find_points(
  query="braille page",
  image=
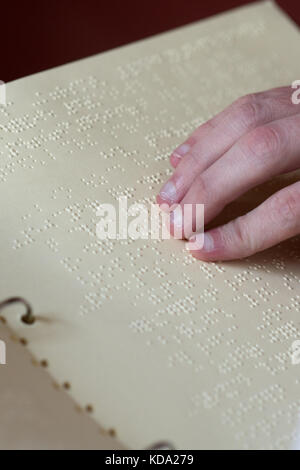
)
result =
(158, 346)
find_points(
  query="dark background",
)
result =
(39, 34)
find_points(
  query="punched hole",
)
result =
(89, 409)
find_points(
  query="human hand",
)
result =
(251, 141)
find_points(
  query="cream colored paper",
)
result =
(35, 413)
(162, 346)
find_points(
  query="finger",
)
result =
(280, 96)
(274, 221)
(211, 140)
(265, 152)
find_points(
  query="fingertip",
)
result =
(163, 204)
(202, 246)
(201, 255)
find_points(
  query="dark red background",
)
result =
(39, 34)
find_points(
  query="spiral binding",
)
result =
(28, 318)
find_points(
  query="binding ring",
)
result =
(28, 318)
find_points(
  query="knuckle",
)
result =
(263, 142)
(286, 203)
(237, 235)
(201, 188)
(242, 236)
(247, 112)
(284, 96)
(246, 99)
(194, 156)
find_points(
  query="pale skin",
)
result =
(254, 139)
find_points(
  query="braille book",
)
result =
(149, 343)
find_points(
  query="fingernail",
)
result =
(182, 150)
(168, 192)
(202, 241)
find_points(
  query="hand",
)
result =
(254, 139)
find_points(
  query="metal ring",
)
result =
(28, 318)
